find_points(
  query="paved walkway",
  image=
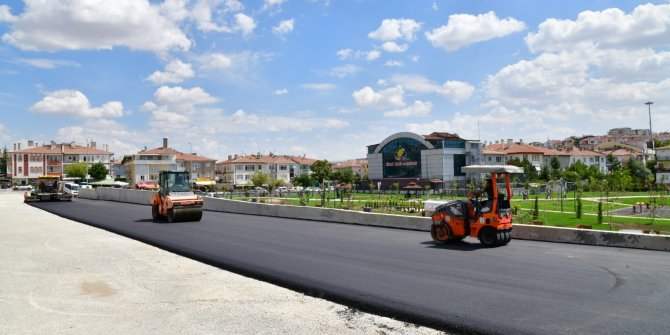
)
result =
(63, 277)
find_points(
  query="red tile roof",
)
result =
(68, 149)
(515, 148)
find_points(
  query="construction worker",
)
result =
(488, 189)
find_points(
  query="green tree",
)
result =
(613, 163)
(620, 180)
(347, 175)
(545, 174)
(260, 178)
(536, 209)
(321, 170)
(579, 205)
(577, 170)
(529, 170)
(304, 180)
(76, 170)
(555, 165)
(3, 162)
(639, 172)
(600, 212)
(98, 171)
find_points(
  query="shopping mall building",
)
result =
(434, 159)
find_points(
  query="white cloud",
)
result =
(390, 97)
(345, 70)
(174, 10)
(419, 108)
(344, 54)
(269, 4)
(6, 14)
(284, 27)
(175, 72)
(45, 63)
(280, 92)
(148, 106)
(73, 103)
(456, 91)
(391, 46)
(427, 128)
(373, 55)
(245, 24)
(120, 139)
(215, 61)
(394, 63)
(647, 26)
(167, 120)
(335, 124)
(240, 117)
(182, 100)
(210, 15)
(319, 86)
(94, 24)
(237, 69)
(393, 29)
(466, 29)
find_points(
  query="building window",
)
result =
(459, 162)
(195, 165)
(20, 158)
(488, 158)
(248, 168)
(239, 177)
(283, 167)
(239, 167)
(208, 165)
(498, 159)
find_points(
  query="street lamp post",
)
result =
(651, 134)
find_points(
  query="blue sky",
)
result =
(326, 78)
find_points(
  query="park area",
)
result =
(647, 212)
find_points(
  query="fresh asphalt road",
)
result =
(524, 287)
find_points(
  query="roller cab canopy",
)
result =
(491, 169)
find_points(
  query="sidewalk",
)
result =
(63, 277)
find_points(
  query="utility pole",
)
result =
(651, 133)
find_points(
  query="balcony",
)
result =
(54, 163)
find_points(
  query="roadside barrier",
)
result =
(520, 231)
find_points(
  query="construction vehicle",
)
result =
(175, 200)
(49, 188)
(488, 220)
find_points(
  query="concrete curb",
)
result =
(520, 231)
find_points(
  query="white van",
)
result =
(71, 188)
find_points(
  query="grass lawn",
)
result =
(550, 211)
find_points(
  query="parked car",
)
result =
(261, 191)
(23, 188)
(280, 189)
(71, 188)
(147, 186)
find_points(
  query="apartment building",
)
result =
(519, 151)
(147, 164)
(663, 165)
(238, 170)
(27, 164)
(359, 167)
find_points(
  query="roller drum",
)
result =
(185, 214)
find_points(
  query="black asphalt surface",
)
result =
(526, 287)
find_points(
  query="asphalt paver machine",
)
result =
(49, 188)
(175, 200)
(488, 220)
